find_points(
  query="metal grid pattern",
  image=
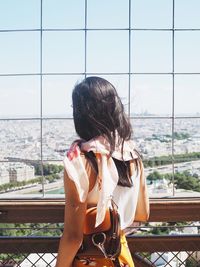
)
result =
(169, 259)
(26, 260)
(41, 74)
(32, 256)
(21, 258)
(181, 259)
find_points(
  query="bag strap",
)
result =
(99, 239)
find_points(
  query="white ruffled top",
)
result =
(125, 197)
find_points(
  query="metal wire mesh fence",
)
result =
(177, 244)
(19, 258)
(165, 259)
(169, 259)
(128, 72)
(29, 260)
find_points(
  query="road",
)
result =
(193, 166)
(35, 189)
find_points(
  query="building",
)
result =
(4, 175)
(19, 172)
(16, 172)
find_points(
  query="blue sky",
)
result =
(107, 51)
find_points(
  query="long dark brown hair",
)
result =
(98, 110)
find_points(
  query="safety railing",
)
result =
(177, 243)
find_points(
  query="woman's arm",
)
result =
(142, 208)
(73, 225)
(74, 217)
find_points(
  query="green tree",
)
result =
(191, 262)
(154, 176)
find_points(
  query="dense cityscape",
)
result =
(21, 145)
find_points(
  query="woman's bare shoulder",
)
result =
(91, 172)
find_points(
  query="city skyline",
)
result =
(22, 143)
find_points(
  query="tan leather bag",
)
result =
(103, 240)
